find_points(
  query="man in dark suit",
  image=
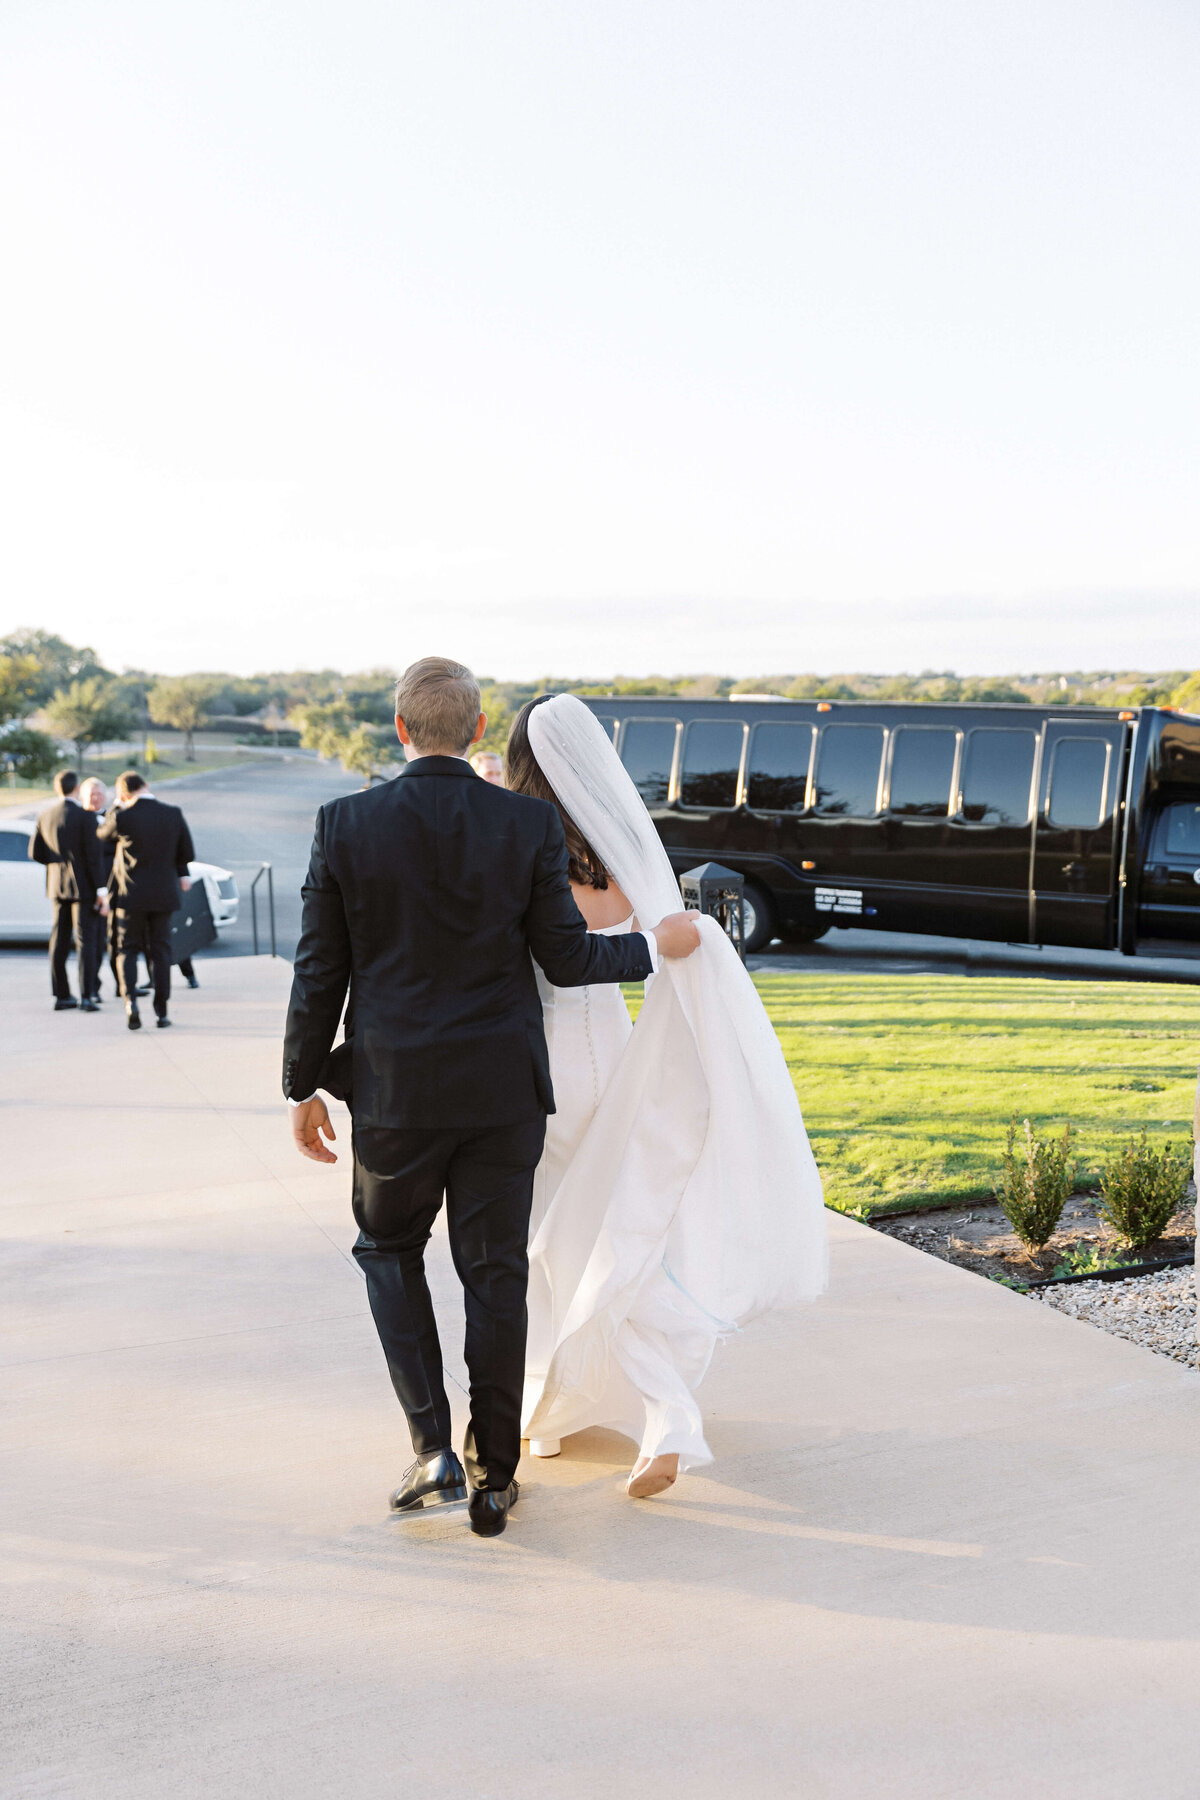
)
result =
(149, 878)
(65, 843)
(424, 900)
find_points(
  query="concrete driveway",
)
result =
(949, 1546)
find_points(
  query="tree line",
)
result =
(52, 691)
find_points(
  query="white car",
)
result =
(25, 910)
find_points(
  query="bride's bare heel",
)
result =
(545, 1446)
(651, 1475)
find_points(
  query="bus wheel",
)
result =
(803, 932)
(759, 918)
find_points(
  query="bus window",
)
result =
(922, 772)
(712, 759)
(997, 776)
(780, 760)
(647, 750)
(1180, 830)
(848, 770)
(1078, 779)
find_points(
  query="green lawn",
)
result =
(907, 1083)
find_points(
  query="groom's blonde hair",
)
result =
(439, 703)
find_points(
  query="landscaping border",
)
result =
(1125, 1272)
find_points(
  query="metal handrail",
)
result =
(264, 869)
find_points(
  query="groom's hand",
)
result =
(308, 1122)
(676, 935)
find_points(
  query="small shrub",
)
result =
(1036, 1182)
(1140, 1190)
(1088, 1259)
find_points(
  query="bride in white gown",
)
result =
(677, 1196)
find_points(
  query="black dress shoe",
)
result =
(163, 1022)
(436, 1480)
(489, 1509)
(133, 1017)
(144, 990)
(67, 1005)
(89, 1005)
(191, 981)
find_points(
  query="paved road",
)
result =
(242, 817)
(908, 953)
(264, 813)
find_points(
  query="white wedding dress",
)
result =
(677, 1196)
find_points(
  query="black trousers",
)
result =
(400, 1177)
(71, 925)
(145, 934)
(99, 927)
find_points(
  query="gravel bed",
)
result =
(1156, 1311)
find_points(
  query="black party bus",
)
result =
(1025, 824)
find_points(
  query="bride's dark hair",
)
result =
(523, 774)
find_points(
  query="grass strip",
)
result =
(907, 1082)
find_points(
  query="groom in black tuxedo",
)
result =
(424, 900)
(65, 842)
(150, 876)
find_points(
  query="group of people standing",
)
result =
(114, 877)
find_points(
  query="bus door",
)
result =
(985, 868)
(1170, 898)
(844, 832)
(1075, 839)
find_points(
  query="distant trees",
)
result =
(500, 714)
(183, 701)
(57, 663)
(1003, 691)
(88, 712)
(77, 697)
(30, 755)
(322, 728)
(330, 731)
(39, 669)
(359, 752)
(20, 681)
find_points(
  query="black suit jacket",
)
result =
(65, 841)
(425, 898)
(153, 849)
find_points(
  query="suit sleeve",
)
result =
(40, 850)
(184, 849)
(569, 954)
(320, 975)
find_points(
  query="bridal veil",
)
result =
(696, 1166)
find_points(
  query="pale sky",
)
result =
(577, 336)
